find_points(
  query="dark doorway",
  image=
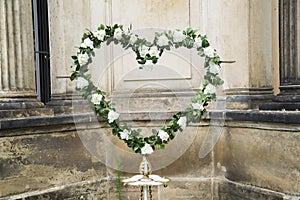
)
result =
(41, 49)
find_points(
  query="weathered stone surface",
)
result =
(289, 117)
(92, 191)
(45, 156)
(187, 189)
(234, 191)
(189, 165)
(128, 192)
(17, 52)
(69, 105)
(261, 154)
(18, 113)
(40, 121)
(241, 100)
(35, 162)
(6, 104)
(149, 102)
(280, 106)
(20, 108)
(249, 79)
(86, 190)
(48, 153)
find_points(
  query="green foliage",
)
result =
(135, 141)
(119, 185)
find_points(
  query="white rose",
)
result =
(178, 36)
(147, 149)
(132, 39)
(163, 41)
(124, 134)
(148, 63)
(96, 98)
(143, 50)
(82, 59)
(210, 89)
(182, 122)
(87, 43)
(198, 42)
(100, 34)
(81, 82)
(154, 51)
(209, 52)
(118, 33)
(197, 106)
(112, 116)
(164, 136)
(214, 68)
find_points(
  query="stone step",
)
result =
(61, 107)
(19, 104)
(292, 106)
(125, 104)
(27, 112)
(151, 104)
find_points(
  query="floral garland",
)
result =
(146, 53)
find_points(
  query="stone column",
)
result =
(245, 35)
(67, 23)
(289, 96)
(17, 79)
(289, 51)
(17, 73)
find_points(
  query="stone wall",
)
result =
(251, 160)
(263, 155)
(42, 154)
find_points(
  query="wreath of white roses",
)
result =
(146, 52)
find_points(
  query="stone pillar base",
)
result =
(288, 99)
(247, 98)
(283, 102)
(68, 103)
(22, 107)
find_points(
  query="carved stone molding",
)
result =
(289, 58)
(289, 44)
(18, 97)
(17, 78)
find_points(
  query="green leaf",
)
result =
(101, 27)
(142, 62)
(154, 132)
(74, 76)
(172, 136)
(136, 149)
(88, 76)
(205, 43)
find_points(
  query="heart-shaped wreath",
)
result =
(146, 52)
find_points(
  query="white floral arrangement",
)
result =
(146, 52)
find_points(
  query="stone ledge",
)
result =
(70, 191)
(38, 121)
(19, 108)
(280, 106)
(229, 190)
(291, 117)
(19, 113)
(105, 187)
(19, 104)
